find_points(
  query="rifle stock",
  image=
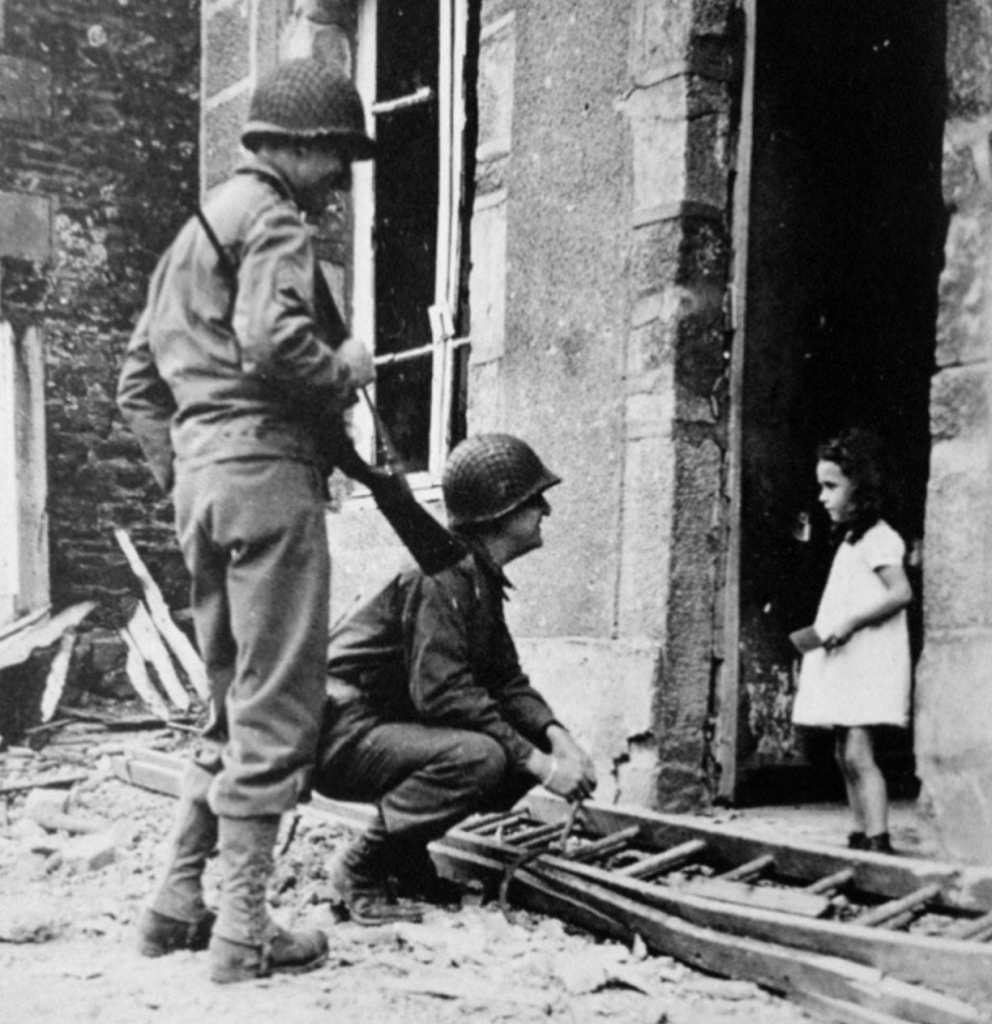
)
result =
(433, 546)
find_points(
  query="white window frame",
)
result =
(453, 17)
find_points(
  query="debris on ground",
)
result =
(72, 900)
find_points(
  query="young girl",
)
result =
(860, 677)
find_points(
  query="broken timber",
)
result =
(147, 640)
(176, 640)
(845, 971)
(38, 630)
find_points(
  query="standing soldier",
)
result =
(430, 715)
(234, 383)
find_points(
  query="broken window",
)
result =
(408, 206)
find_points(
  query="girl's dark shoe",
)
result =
(857, 841)
(879, 843)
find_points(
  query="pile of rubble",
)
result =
(77, 864)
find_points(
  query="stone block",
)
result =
(488, 278)
(645, 551)
(227, 46)
(961, 185)
(24, 919)
(497, 60)
(964, 323)
(603, 690)
(969, 56)
(43, 803)
(25, 89)
(668, 35)
(90, 852)
(486, 389)
(958, 556)
(659, 132)
(650, 353)
(222, 131)
(960, 808)
(26, 226)
(959, 403)
(657, 251)
(662, 33)
(953, 699)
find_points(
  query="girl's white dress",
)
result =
(865, 681)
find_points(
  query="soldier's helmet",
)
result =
(307, 100)
(489, 475)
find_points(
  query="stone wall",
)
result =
(954, 680)
(614, 360)
(98, 130)
(599, 260)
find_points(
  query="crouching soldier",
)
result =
(430, 716)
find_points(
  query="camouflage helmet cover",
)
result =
(307, 100)
(489, 475)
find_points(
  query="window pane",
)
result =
(403, 395)
(406, 204)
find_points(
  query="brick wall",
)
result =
(99, 113)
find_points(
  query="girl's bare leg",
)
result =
(850, 779)
(867, 780)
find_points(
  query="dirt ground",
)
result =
(67, 923)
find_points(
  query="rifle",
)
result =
(431, 544)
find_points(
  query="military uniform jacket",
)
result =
(224, 367)
(435, 649)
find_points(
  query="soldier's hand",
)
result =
(571, 778)
(566, 750)
(358, 359)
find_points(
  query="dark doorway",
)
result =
(845, 246)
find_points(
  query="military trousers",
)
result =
(254, 537)
(423, 777)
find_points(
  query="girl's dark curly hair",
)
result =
(860, 455)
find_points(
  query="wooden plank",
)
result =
(770, 964)
(18, 646)
(946, 965)
(604, 847)
(832, 883)
(498, 822)
(527, 837)
(154, 651)
(58, 672)
(24, 621)
(749, 869)
(176, 639)
(976, 928)
(44, 782)
(32, 472)
(776, 967)
(785, 901)
(842, 1010)
(896, 908)
(148, 775)
(490, 822)
(961, 968)
(140, 680)
(962, 886)
(667, 860)
(728, 712)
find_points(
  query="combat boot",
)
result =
(177, 917)
(246, 943)
(360, 883)
(417, 878)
